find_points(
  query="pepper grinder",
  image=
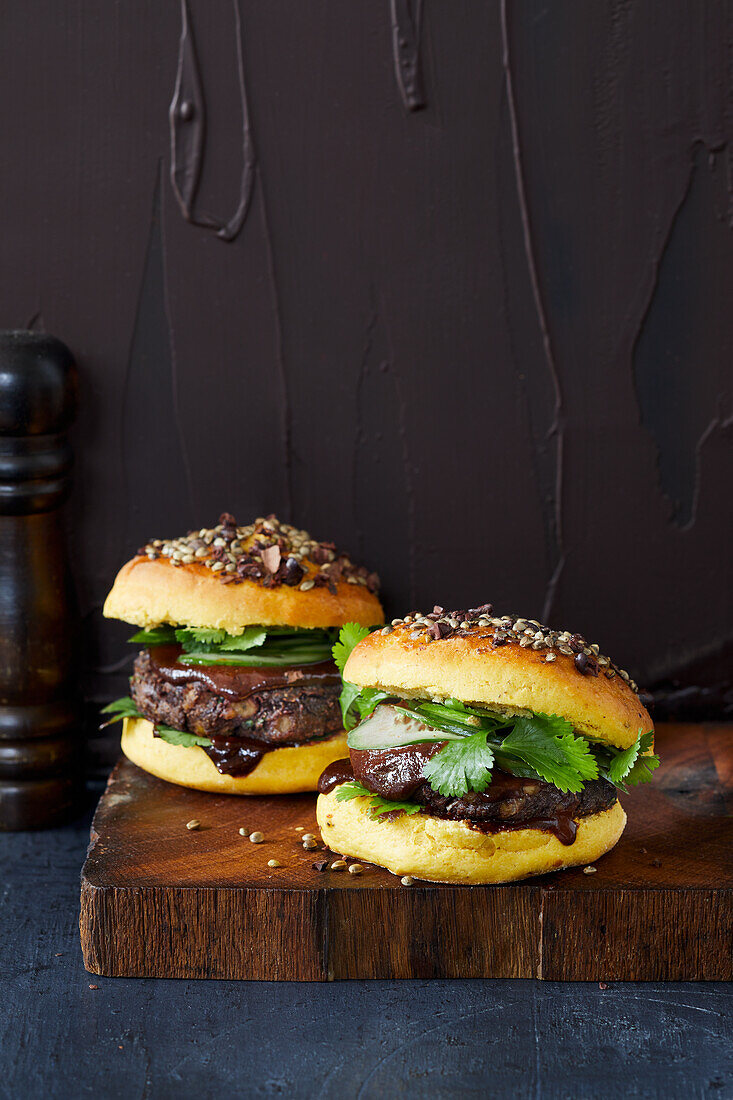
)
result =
(40, 718)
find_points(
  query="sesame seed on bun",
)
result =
(229, 577)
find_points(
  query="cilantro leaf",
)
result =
(623, 762)
(275, 645)
(349, 637)
(180, 737)
(643, 766)
(194, 638)
(460, 766)
(369, 700)
(158, 635)
(547, 744)
(119, 709)
(252, 637)
(359, 703)
(626, 767)
(348, 791)
(125, 708)
(355, 702)
(349, 695)
(257, 647)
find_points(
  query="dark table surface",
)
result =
(65, 1033)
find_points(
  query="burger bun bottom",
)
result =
(438, 850)
(288, 770)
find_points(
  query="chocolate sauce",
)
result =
(240, 681)
(563, 826)
(339, 772)
(236, 755)
(395, 774)
(240, 755)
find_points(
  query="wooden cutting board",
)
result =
(158, 900)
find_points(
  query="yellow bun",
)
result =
(504, 678)
(450, 851)
(149, 592)
(282, 771)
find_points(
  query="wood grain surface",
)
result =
(163, 901)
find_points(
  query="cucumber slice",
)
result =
(390, 727)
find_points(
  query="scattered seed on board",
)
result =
(194, 824)
(407, 880)
(274, 863)
(243, 831)
(299, 828)
(589, 870)
(355, 868)
(338, 865)
(309, 845)
(256, 838)
(308, 836)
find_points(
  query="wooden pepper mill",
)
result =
(40, 726)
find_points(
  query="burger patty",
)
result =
(509, 800)
(274, 716)
(532, 801)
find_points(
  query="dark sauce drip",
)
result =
(240, 681)
(340, 771)
(561, 825)
(236, 755)
(396, 774)
(241, 755)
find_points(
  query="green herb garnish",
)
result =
(536, 746)
(255, 647)
(159, 635)
(379, 806)
(121, 708)
(125, 708)
(180, 737)
(628, 767)
(356, 702)
(547, 745)
(218, 641)
(463, 765)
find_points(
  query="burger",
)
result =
(481, 748)
(234, 689)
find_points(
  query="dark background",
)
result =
(485, 345)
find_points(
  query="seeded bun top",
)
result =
(230, 577)
(506, 664)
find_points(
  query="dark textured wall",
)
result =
(484, 344)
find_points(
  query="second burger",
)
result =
(235, 690)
